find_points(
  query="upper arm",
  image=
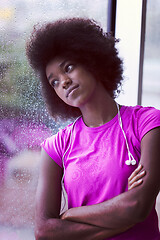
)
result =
(48, 196)
(150, 160)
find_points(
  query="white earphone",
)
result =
(131, 160)
(64, 195)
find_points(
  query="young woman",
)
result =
(104, 148)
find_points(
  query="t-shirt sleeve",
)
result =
(54, 147)
(148, 118)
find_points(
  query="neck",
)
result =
(99, 110)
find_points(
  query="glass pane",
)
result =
(151, 70)
(24, 122)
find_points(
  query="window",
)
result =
(24, 122)
(151, 69)
(151, 66)
(137, 26)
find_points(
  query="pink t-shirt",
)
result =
(95, 168)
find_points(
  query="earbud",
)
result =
(130, 162)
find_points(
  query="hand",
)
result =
(136, 177)
(69, 214)
(63, 216)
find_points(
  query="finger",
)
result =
(137, 177)
(136, 171)
(137, 180)
(62, 216)
(135, 184)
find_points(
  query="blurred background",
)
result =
(24, 121)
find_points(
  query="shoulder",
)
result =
(139, 111)
(54, 146)
(59, 141)
(142, 119)
(59, 138)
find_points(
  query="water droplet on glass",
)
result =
(24, 120)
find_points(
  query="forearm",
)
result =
(119, 212)
(62, 229)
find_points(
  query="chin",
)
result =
(79, 101)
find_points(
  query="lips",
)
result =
(71, 89)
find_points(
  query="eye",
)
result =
(69, 67)
(54, 83)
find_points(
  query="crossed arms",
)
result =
(101, 220)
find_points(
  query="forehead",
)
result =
(55, 64)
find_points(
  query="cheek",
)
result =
(61, 96)
(58, 92)
(91, 84)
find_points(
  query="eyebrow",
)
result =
(60, 65)
(50, 76)
(63, 63)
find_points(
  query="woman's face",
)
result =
(71, 81)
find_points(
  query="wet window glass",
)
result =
(151, 70)
(24, 122)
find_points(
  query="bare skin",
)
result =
(108, 218)
(136, 177)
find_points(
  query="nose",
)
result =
(66, 82)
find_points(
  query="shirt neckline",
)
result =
(104, 126)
